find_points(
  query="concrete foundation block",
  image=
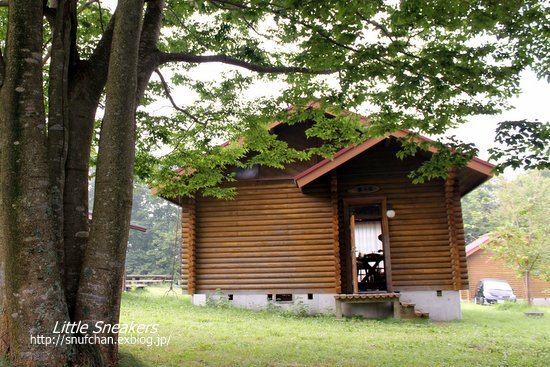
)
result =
(199, 299)
(441, 308)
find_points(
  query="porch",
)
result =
(365, 298)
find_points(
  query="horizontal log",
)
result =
(256, 265)
(236, 240)
(412, 203)
(397, 232)
(425, 237)
(409, 249)
(201, 281)
(417, 282)
(263, 249)
(266, 224)
(227, 255)
(296, 218)
(272, 205)
(225, 233)
(268, 270)
(265, 199)
(417, 257)
(420, 213)
(398, 244)
(297, 242)
(276, 259)
(442, 265)
(420, 222)
(404, 277)
(399, 273)
(255, 212)
(416, 196)
(268, 277)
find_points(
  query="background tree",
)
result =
(412, 64)
(478, 210)
(520, 239)
(152, 252)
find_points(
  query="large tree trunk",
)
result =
(84, 94)
(45, 183)
(30, 281)
(99, 291)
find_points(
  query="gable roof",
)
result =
(476, 172)
(482, 168)
(475, 246)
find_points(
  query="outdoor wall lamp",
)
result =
(390, 213)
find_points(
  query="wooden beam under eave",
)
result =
(451, 186)
(335, 229)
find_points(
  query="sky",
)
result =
(532, 104)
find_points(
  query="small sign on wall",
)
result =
(364, 189)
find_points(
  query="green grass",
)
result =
(203, 336)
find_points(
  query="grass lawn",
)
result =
(205, 336)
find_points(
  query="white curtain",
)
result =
(366, 237)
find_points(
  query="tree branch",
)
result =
(190, 58)
(171, 99)
(148, 55)
(228, 5)
(376, 25)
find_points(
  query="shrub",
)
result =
(218, 300)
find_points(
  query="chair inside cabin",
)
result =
(370, 272)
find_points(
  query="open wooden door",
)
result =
(353, 257)
(367, 245)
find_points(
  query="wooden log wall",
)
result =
(188, 257)
(421, 256)
(271, 238)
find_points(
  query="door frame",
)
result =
(359, 201)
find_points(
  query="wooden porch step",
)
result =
(408, 311)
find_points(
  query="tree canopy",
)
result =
(418, 65)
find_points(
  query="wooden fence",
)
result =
(141, 280)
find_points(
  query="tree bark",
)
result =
(30, 281)
(85, 91)
(58, 112)
(99, 291)
(148, 52)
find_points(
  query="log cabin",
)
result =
(483, 264)
(334, 234)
